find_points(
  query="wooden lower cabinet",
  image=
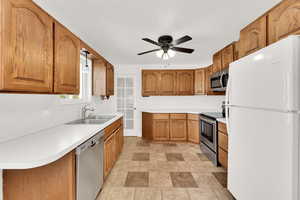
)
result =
(222, 145)
(161, 129)
(55, 181)
(178, 129)
(113, 145)
(193, 128)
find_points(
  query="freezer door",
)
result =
(263, 155)
(269, 78)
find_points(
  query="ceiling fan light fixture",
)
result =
(165, 56)
(171, 53)
(159, 53)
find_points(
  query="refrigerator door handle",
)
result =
(227, 105)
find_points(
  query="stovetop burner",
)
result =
(213, 115)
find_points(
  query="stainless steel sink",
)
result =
(109, 117)
(88, 121)
(94, 119)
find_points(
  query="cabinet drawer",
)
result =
(223, 158)
(223, 141)
(193, 116)
(178, 116)
(222, 128)
(161, 116)
(111, 128)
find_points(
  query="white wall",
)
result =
(184, 103)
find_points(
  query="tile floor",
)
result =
(164, 171)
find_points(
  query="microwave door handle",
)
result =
(221, 79)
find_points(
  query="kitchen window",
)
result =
(85, 84)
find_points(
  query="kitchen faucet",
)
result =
(84, 109)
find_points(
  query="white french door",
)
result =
(126, 102)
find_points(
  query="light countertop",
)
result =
(46, 146)
(223, 120)
(189, 111)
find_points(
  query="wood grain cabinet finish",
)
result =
(26, 48)
(208, 73)
(253, 37)
(167, 82)
(150, 82)
(193, 128)
(56, 181)
(109, 153)
(222, 144)
(217, 62)
(200, 81)
(223, 157)
(103, 78)
(161, 129)
(110, 80)
(227, 56)
(284, 20)
(66, 61)
(178, 130)
(185, 82)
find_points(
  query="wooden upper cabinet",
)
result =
(208, 73)
(110, 80)
(284, 20)
(167, 80)
(66, 61)
(99, 77)
(253, 37)
(26, 47)
(149, 82)
(185, 82)
(200, 81)
(217, 62)
(227, 56)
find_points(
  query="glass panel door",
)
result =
(126, 101)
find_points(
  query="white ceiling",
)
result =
(115, 27)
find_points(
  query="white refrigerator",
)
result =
(263, 104)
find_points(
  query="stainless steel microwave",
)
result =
(218, 81)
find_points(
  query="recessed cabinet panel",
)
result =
(26, 47)
(217, 62)
(185, 82)
(109, 80)
(167, 82)
(67, 61)
(227, 56)
(253, 37)
(200, 81)
(178, 129)
(161, 129)
(149, 83)
(284, 20)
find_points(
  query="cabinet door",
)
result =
(167, 83)
(161, 129)
(227, 56)
(55, 181)
(200, 81)
(26, 47)
(253, 37)
(185, 82)
(110, 80)
(208, 73)
(223, 157)
(67, 61)
(193, 131)
(119, 141)
(149, 83)
(99, 77)
(217, 62)
(178, 129)
(109, 154)
(284, 20)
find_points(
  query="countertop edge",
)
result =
(52, 158)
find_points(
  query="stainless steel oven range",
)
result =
(208, 135)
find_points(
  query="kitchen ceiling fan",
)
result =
(168, 47)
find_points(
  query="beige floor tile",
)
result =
(223, 194)
(158, 156)
(160, 179)
(200, 194)
(147, 194)
(117, 193)
(137, 179)
(175, 194)
(116, 179)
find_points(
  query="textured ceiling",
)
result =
(115, 27)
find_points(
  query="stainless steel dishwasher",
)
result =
(89, 168)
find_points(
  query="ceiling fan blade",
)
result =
(182, 40)
(148, 51)
(151, 41)
(183, 50)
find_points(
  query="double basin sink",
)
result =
(94, 119)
